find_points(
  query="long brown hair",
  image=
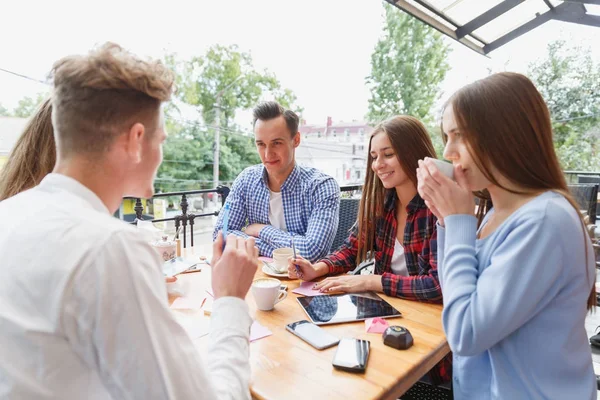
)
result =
(506, 125)
(33, 156)
(411, 143)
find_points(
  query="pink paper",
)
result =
(187, 303)
(306, 289)
(267, 259)
(376, 325)
(257, 331)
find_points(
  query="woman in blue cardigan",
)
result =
(517, 284)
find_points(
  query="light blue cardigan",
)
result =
(515, 304)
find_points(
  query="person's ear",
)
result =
(297, 139)
(134, 140)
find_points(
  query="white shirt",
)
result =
(84, 312)
(276, 216)
(398, 263)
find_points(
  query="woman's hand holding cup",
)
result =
(443, 195)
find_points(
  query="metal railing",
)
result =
(571, 176)
(184, 219)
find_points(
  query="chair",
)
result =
(586, 195)
(588, 179)
(421, 390)
(348, 214)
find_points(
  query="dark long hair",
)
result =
(506, 124)
(411, 143)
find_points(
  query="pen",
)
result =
(225, 223)
(298, 271)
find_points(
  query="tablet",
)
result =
(333, 309)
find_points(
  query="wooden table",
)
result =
(284, 366)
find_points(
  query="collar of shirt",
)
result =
(289, 181)
(55, 181)
(415, 204)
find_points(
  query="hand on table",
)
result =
(233, 267)
(350, 284)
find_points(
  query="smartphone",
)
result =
(312, 334)
(352, 355)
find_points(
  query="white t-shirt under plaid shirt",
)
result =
(311, 201)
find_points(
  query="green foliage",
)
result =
(4, 111)
(407, 67)
(230, 73)
(28, 105)
(569, 81)
(436, 139)
(223, 72)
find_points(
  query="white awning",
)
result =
(485, 25)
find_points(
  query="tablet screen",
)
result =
(332, 309)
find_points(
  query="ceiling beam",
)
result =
(597, 2)
(521, 30)
(581, 19)
(434, 23)
(486, 17)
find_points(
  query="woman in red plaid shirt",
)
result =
(398, 230)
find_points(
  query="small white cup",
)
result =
(165, 248)
(267, 292)
(445, 167)
(280, 258)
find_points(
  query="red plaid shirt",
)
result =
(420, 250)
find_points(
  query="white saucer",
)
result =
(267, 271)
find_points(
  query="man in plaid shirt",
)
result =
(278, 199)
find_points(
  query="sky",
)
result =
(320, 49)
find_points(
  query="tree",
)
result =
(4, 111)
(407, 67)
(231, 73)
(28, 105)
(569, 81)
(188, 152)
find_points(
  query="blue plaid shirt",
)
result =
(311, 202)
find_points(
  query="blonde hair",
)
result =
(33, 156)
(100, 95)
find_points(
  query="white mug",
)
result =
(280, 258)
(267, 292)
(445, 167)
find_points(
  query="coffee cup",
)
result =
(267, 292)
(281, 257)
(445, 167)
